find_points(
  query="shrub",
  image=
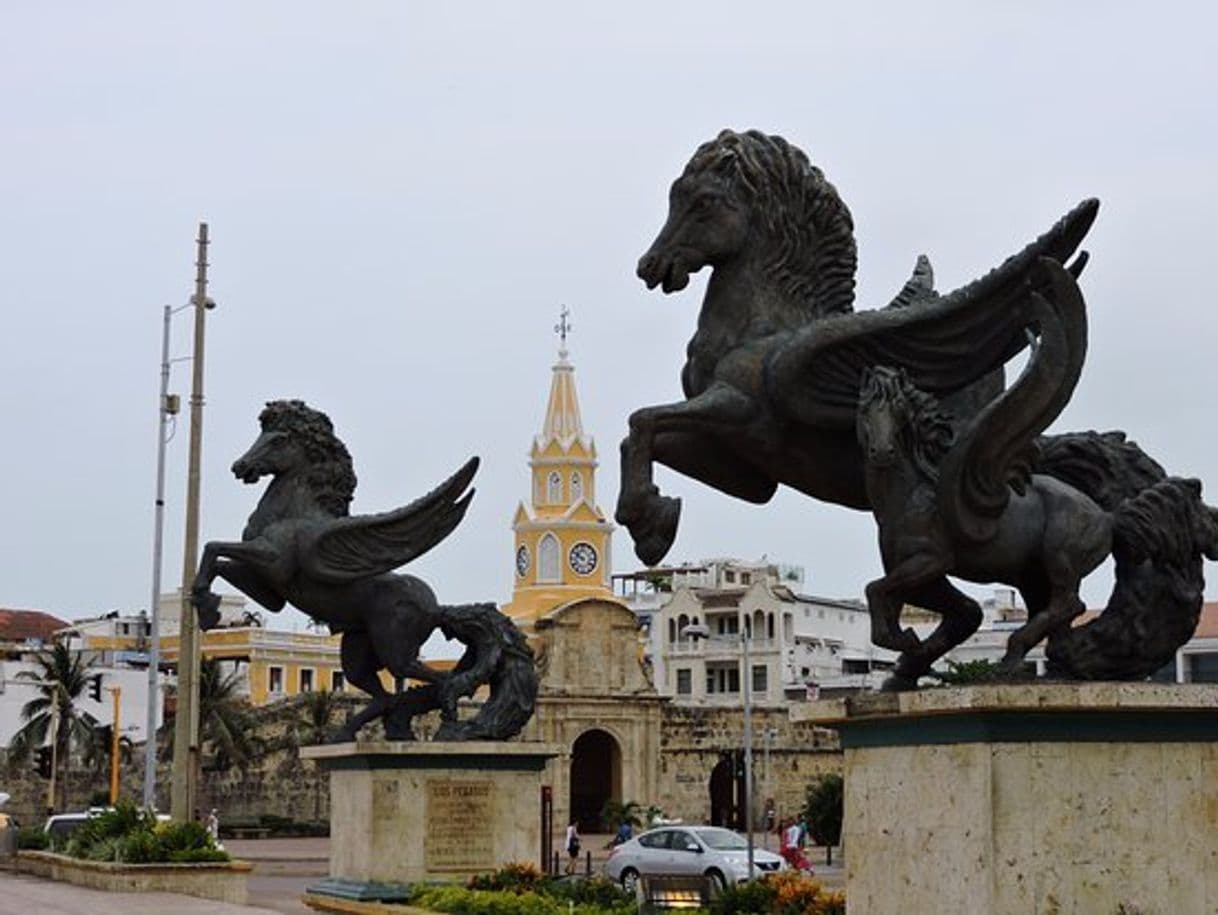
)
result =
(514, 878)
(463, 901)
(823, 809)
(595, 891)
(33, 838)
(753, 898)
(799, 894)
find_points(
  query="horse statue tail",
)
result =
(497, 655)
(1160, 536)
(996, 449)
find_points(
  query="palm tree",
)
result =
(308, 724)
(226, 731)
(61, 676)
(224, 718)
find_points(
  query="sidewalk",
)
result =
(22, 895)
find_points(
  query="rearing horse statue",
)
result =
(772, 374)
(301, 546)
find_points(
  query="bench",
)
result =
(674, 891)
(247, 832)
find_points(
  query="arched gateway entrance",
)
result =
(596, 777)
(727, 791)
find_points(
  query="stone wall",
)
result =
(693, 739)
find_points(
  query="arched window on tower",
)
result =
(672, 631)
(554, 488)
(548, 564)
(577, 487)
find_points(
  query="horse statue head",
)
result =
(753, 196)
(896, 419)
(299, 442)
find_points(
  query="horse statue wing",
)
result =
(995, 450)
(944, 343)
(362, 546)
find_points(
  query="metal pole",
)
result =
(186, 724)
(154, 652)
(117, 693)
(768, 733)
(54, 749)
(748, 749)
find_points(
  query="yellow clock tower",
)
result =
(562, 537)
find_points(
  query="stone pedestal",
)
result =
(1023, 799)
(402, 812)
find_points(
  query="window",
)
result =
(672, 631)
(655, 839)
(769, 625)
(760, 679)
(554, 488)
(548, 560)
(275, 680)
(729, 625)
(1202, 668)
(337, 682)
(306, 680)
(685, 684)
(729, 577)
(746, 578)
(577, 487)
(723, 679)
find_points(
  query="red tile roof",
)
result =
(19, 625)
(1207, 628)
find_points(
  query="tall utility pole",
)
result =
(117, 693)
(186, 723)
(166, 407)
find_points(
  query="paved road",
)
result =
(22, 895)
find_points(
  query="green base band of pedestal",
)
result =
(360, 890)
(1031, 726)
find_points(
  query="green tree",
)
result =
(308, 723)
(823, 809)
(226, 732)
(61, 676)
(615, 813)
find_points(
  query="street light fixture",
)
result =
(702, 631)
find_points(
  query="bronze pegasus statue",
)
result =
(301, 546)
(773, 375)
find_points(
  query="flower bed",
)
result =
(127, 849)
(224, 881)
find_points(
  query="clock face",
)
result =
(522, 560)
(582, 558)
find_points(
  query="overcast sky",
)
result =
(402, 195)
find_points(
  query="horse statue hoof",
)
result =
(656, 535)
(207, 606)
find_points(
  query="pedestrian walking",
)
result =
(572, 846)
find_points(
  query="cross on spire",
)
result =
(562, 328)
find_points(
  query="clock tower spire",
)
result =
(562, 538)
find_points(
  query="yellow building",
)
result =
(562, 539)
(273, 664)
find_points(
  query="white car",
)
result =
(718, 853)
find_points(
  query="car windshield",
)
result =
(721, 839)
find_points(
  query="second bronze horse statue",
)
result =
(301, 546)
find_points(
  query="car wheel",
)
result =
(630, 880)
(718, 882)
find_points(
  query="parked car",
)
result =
(61, 825)
(718, 853)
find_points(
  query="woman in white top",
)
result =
(572, 846)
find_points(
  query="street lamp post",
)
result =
(186, 725)
(702, 631)
(167, 406)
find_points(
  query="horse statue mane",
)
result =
(813, 257)
(331, 474)
(929, 432)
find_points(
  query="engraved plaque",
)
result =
(460, 825)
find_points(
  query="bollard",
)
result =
(588, 865)
(554, 872)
